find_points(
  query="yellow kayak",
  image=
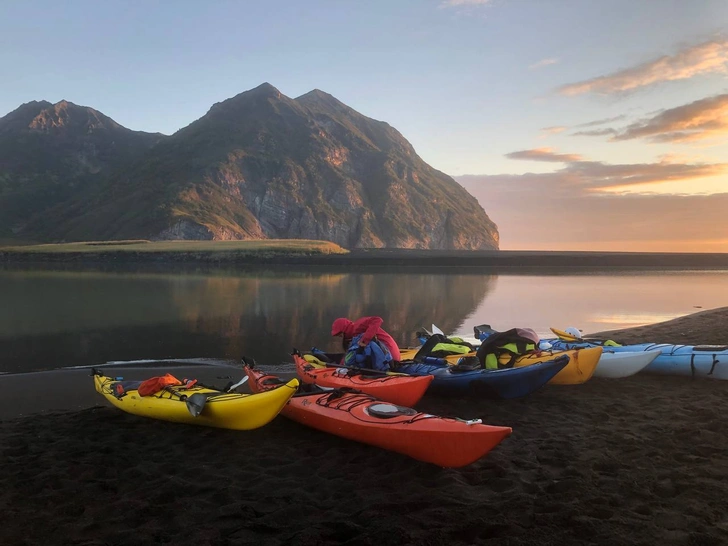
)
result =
(581, 366)
(198, 405)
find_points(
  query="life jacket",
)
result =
(439, 345)
(156, 384)
(374, 355)
(501, 349)
(446, 349)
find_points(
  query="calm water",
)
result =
(56, 319)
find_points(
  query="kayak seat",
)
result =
(272, 381)
(387, 411)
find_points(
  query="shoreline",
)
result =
(504, 259)
(708, 327)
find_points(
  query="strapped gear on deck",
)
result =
(501, 349)
(374, 355)
(439, 345)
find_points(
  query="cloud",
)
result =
(461, 3)
(597, 176)
(579, 215)
(601, 121)
(706, 58)
(543, 62)
(673, 157)
(698, 120)
(554, 130)
(596, 132)
(543, 154)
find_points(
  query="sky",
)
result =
(577, 124)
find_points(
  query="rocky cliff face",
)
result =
(263, 165)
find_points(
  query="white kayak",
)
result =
(623, 364)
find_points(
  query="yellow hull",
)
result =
(224, 410)
(581, 366)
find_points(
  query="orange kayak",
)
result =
(405, 390)
(363, 418)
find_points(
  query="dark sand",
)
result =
(641, 460)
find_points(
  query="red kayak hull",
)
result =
(438, 440)
(404, 390)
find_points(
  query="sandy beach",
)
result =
(640, 460)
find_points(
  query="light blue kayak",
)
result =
(709, 361)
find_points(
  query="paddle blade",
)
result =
(196, 403)
(236, 385)
(484, 330)
(436, 330)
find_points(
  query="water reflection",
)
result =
(52, 319)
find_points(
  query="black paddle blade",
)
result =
(196, 403)
(483, 329)
(250, 362)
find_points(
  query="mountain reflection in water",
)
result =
(55, 319)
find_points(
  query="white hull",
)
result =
(623, 364)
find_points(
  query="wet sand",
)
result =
(640, 460)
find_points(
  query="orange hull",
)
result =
(405, 390)
(357, 416)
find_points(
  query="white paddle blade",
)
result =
(241, 382)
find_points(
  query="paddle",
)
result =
(236, 385)
(196, 403)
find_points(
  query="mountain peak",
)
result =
(316, 96)
(265, 88)
(23, 115)
(65, 114)
(264, 96)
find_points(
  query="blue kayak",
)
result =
(505, 383)
(709, 361)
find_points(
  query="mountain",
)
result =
(263, 165)
(49, 153)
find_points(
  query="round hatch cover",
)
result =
(389, 410)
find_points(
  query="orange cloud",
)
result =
(576, 218)
(708, 57)
(544, 154)
(699, 120)
(555, 130)
(589, 177)
(596, 175)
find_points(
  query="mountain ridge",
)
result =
(257, 165)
